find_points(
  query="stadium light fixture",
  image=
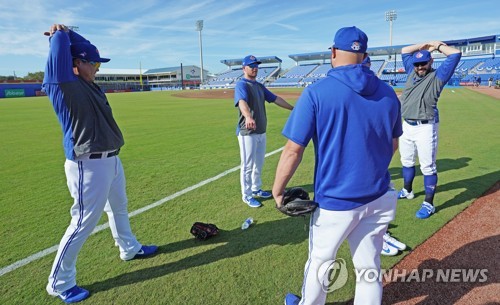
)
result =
(390, 16)
(199, 27)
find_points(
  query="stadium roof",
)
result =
(106, 71)
(325, 55)
(264, 60)
(163, 70)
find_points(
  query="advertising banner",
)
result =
(14, 93)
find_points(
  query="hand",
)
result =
(433, 45)
(56, 27)
(279, 200)
(250, 124)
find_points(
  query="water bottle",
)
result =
(247, 223)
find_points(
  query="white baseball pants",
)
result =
(96, 185)
(364, 228)
(252, 154)
(421, 140)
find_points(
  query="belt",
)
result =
(418, 122)
(104, 155)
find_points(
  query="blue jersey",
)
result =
(420, 96)
(82, 108)
(352, 117)
(254, 93)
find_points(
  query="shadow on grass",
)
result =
(443, 165)
(235, 243)
(474, 187)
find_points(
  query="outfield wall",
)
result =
(20, 90)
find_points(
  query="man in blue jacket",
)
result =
(354, 121)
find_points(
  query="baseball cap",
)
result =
(250, 59)
(351, 39)
(422, 56)
(86, 51)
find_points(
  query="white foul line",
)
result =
(99, 228)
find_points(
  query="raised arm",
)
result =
(430, 46)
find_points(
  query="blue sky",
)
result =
(161, 34)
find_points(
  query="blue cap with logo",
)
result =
(86, 51)
(351, 39)
(250, 59)
(422, 56)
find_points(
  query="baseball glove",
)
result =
(296, 203)
(204, 231)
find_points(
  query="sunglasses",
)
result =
(253, 66)
(96, 64)
(420, 64)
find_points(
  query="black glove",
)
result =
(204, 231)
(296, 203)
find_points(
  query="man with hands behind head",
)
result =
(94, 172)
(421, 116)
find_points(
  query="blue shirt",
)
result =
(254, 93)
(420, 96)
(352, 117)
(82, 108)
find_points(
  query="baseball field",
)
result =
(181, 161)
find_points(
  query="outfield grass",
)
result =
(173, 143)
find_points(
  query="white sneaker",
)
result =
(388, 250)
(405, 194)
(394, 242)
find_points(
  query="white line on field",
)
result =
(53, 249)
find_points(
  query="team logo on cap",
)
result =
(83, 54)
(356, 46)
(252, 57)
(419, 55)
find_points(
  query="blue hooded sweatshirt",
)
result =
(352, 117)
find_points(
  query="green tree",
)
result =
(34, 76)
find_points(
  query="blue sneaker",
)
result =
(73, 295)
(426, 210)
(405, 194)
(146, 251)
(262, 194)
(291, 299)
(252, 202)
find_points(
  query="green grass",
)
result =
(172, 143)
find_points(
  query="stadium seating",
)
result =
(306, 74)
(489, 66)
(294, 77)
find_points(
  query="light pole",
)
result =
(199, 27)
(391, 16)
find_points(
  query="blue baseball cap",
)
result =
(351, 39)
(87, 51)
(422, 56)
(250, 59)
